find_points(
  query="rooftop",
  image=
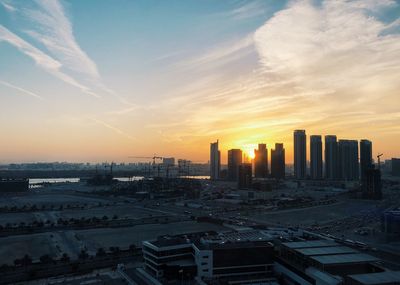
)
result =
(377, 278)
(331, 250)
(310, 244)
(344, 258)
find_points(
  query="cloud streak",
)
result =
(43, 60)
(114, 129)
(30, 93)
(8, 6)
(54, 31)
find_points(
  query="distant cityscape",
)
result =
(341, 161)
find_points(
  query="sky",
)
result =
(102, 80)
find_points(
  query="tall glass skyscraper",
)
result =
(331, 161)
(300, 154)
(215, 161)
(261, 161)
(315, 157)
(278, 161)
(365, 157)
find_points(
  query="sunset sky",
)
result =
(101, 80)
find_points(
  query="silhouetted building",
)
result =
(348, 160)
(215, 161)
(168, 161)
(278, 161)
(234, 160)
(315, 157)
(331, 161)
(245, 176)
(396, 166)
(390, 221)
(261, 161)
(300, 154)
(365, 157)
(371, 184)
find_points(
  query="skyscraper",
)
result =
(316, 157)
(261, 161)
(300, 154)
(278, 161)
(244, 175)
(234, 160)
(365, 157)
(215, 161)
(348, 160)
(331, 161)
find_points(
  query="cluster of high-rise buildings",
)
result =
(242, 171)
(340, 158)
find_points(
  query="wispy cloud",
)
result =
(54, 30)
(248, 10)
(113, 128)
(8, 6)
(43, 60)
(222, 54)
(338, 58)
(30, 93)
(337, 45)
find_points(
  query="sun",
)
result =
(250, 154)
(248, 151)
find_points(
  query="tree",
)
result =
(26, 260)
(132, 248)
(83, 255)
(100, 252)
(46, 259)
(65, 257)
(17, 262)
(115, 250)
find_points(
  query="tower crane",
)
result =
(154, 161)
(379, 160)
(148, 157)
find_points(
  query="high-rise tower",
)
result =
(278, 161)
(348, 160)
(234, 160)
(365, 157)
(315, 157)
(331, 161)
(300, 154)
(261, 161)
(215, 161)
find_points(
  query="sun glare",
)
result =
(250, 154)
(248, 150)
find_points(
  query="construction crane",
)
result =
(148, 157)
(379, 160)
(154, 162)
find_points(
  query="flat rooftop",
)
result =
(331, 250)
(310, 244)
(236, 236)
(344, 258)
(377, 278)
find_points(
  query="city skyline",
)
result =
(170, 77)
